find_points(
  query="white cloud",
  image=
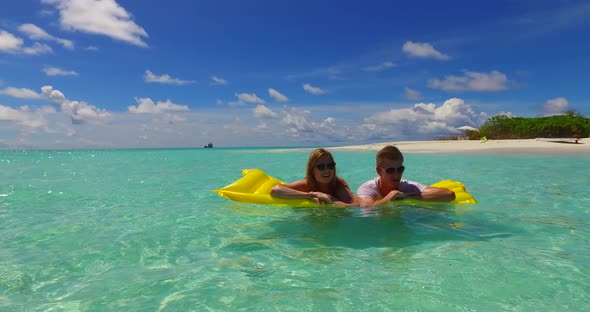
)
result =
(12, 44)
(78, 112)
(299, 120)
(23, 117)
(556, 106)
(36, 33)
(11, 114)
(262, 126)
(218, 81)
(300, 124)
(147, 106)
(313, 90)
(173, 119)
(411, 94)
(381, 67)
(104, 17)
(422, 119)
(68, 44)
(37, 48)
(22, 93)
(249, 98)
(472, 81)
(55, 71)
(165, 79)
(277, 96)
(423, 50)
(9, 43)
(328, 122)
(261, 111)
(166, 124)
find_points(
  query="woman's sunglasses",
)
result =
(322, 167)
(391, 170)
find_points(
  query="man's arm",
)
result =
(373, 202)
(435, 194)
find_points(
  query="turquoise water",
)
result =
(141, 230)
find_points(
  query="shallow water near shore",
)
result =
(141, 230)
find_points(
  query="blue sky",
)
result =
(142, 74)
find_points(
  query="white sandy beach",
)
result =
(528, 146)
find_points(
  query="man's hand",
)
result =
(395, 194)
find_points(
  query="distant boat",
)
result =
(210, 145)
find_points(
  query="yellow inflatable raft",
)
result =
(255, 185)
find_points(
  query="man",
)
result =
(389, 185)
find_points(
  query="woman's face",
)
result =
(323, 172)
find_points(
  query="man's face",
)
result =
(391, 172)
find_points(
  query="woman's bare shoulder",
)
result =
(300, 185)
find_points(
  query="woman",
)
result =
(320, 184)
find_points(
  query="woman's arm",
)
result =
(344, 196)
(299, 189)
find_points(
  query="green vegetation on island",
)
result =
(568, 125)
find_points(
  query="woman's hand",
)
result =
(321, 198)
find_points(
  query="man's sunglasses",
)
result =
(322, 167)
(391, 170)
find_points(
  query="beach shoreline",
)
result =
(503, 147)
